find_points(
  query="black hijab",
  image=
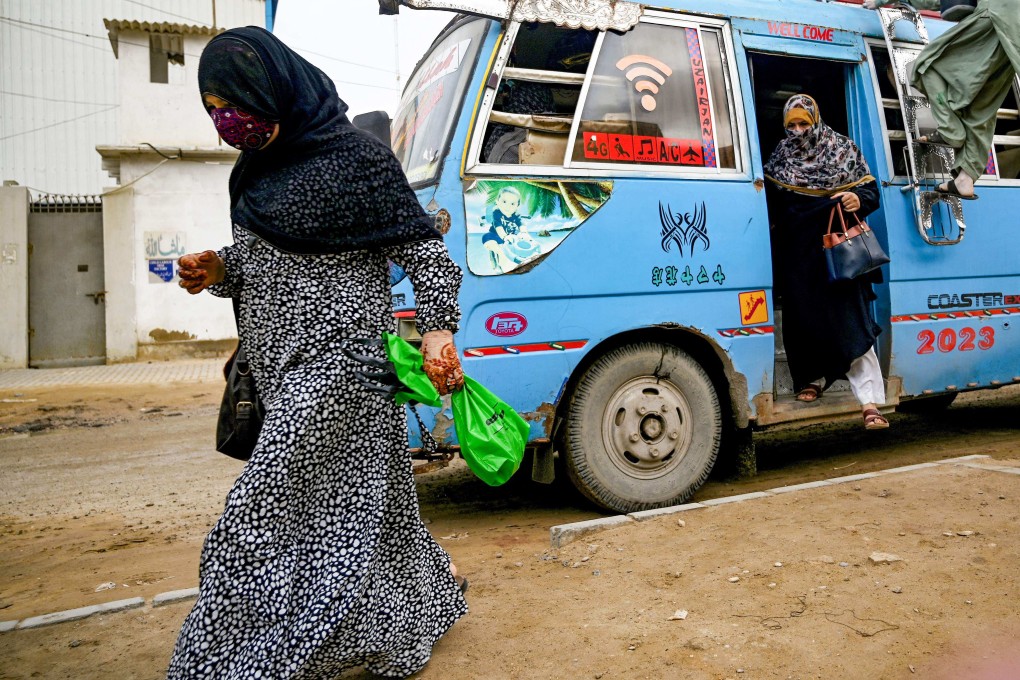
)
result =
(323, 185)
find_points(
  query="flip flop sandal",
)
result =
(462, 583)
(873, 420)
(810, 393)
(951, 190)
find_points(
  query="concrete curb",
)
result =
(174, 596)
(642, 515)
(160, 600)
(568, 533)
(81, 613)
(563, 534)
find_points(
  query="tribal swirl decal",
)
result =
(684, 228)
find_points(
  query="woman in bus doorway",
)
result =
(828, 328)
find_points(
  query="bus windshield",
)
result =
(428, 110)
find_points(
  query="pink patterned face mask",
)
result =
(242, 130)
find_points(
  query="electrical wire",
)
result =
(52, 28)
(166, 159)
(57, 37)
(140, 177)
(115, 189)
(196, 56)
(169, 158)
(63, 122)
(24, 27)
(179, 16)
(50, 99)
(344, 61)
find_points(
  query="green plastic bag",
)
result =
(407, 362)
(492, 435)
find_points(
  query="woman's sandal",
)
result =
(951, 190)
(873, 420)
(809, 393)
(462, 583)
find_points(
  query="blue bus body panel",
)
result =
(611, 275)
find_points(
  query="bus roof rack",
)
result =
(602, 15)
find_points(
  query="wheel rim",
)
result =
(647, 427)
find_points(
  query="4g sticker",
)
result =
(948, 340)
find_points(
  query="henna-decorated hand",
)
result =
(198, 271)
(440, 361)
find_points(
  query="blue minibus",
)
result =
(595, 167)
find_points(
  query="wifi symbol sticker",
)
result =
(647, 74)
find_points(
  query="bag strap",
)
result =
(838, 208)
(860, 222)
(428, 443)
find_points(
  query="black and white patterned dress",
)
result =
(320, 561)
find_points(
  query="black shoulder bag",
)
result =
(241, 411)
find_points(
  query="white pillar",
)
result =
(119, 262)
(14, 203)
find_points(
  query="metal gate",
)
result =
(66, 299)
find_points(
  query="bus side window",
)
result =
(658, 96)
(534, 107)
(1007, 137)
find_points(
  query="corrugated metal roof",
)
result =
(115, 26)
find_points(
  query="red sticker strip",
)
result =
(603, 146)
(971, 313)
(753, 330)
(558, 346)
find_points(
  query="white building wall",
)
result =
(58, 82)
(161, 114)
(182, 200)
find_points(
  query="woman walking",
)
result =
(828, 327)
(320, 561)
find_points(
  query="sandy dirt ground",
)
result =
(106, 494)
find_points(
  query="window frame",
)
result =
(583, 169)
(163, 68)
(458, 104)
(871, 44)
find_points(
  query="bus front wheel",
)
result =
(643, 428)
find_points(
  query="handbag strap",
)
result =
(837, 209)
(429, 445)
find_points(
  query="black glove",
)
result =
(383, 380)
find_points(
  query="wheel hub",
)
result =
(647, 427)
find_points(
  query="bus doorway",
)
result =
(775, 79)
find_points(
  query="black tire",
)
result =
(626, 459)
(935, 404)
